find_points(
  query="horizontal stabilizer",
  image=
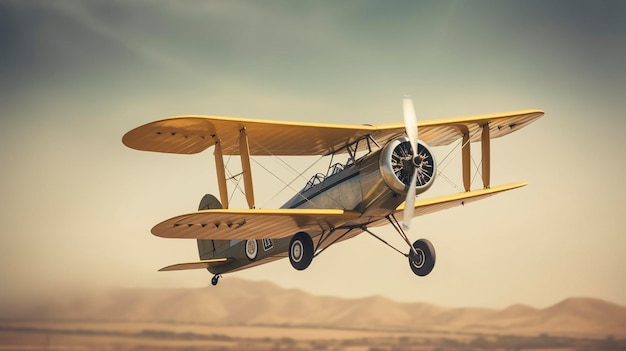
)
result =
(239, 224)
(197, 265)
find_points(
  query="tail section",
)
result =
(204, 264)
(209, 249)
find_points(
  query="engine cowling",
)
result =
(397, 163)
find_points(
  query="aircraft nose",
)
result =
(417, 160)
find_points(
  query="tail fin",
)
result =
(210, 248)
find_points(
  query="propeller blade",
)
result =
(409, 203)
(410, 124)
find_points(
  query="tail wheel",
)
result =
(301, 251)
(422, 259)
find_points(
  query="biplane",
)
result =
(382, 170)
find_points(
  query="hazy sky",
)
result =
(77, 205)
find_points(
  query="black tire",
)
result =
(424, 262)
(301, 251)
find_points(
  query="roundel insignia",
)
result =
(251, 249)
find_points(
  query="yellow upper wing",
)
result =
(193, 134)
(230, 224)
(446, 131)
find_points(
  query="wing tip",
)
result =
(155, 137)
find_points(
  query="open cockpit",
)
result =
(344, 158)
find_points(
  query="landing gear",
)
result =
(421, 254)
(422, 257)
(215, 279)
(301, 251)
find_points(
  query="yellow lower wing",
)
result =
(440, 203)
(228, 224)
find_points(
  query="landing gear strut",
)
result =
(215, 279)
(421, 254)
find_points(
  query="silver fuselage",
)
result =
(364, 185)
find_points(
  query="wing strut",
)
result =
(221, 173)
(466, 156)
(244, 149)
(486, 151)
(485, 142)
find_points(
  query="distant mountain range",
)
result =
(242, 302)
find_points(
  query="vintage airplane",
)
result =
(385, 168)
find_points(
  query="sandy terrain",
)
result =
(246, 315)
(160, 336)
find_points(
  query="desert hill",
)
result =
(241, 302)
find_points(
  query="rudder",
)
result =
(208, 249)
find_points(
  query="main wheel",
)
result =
(301, 251)
(423, 262)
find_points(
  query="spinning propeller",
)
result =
(410, 124)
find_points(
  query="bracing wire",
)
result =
(477, 169)
(447, 179)
(235, 179)
(443, 165)
(299, 175)
(286, 184)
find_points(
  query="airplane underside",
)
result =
(301, 249)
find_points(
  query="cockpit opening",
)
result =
(344, 158)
